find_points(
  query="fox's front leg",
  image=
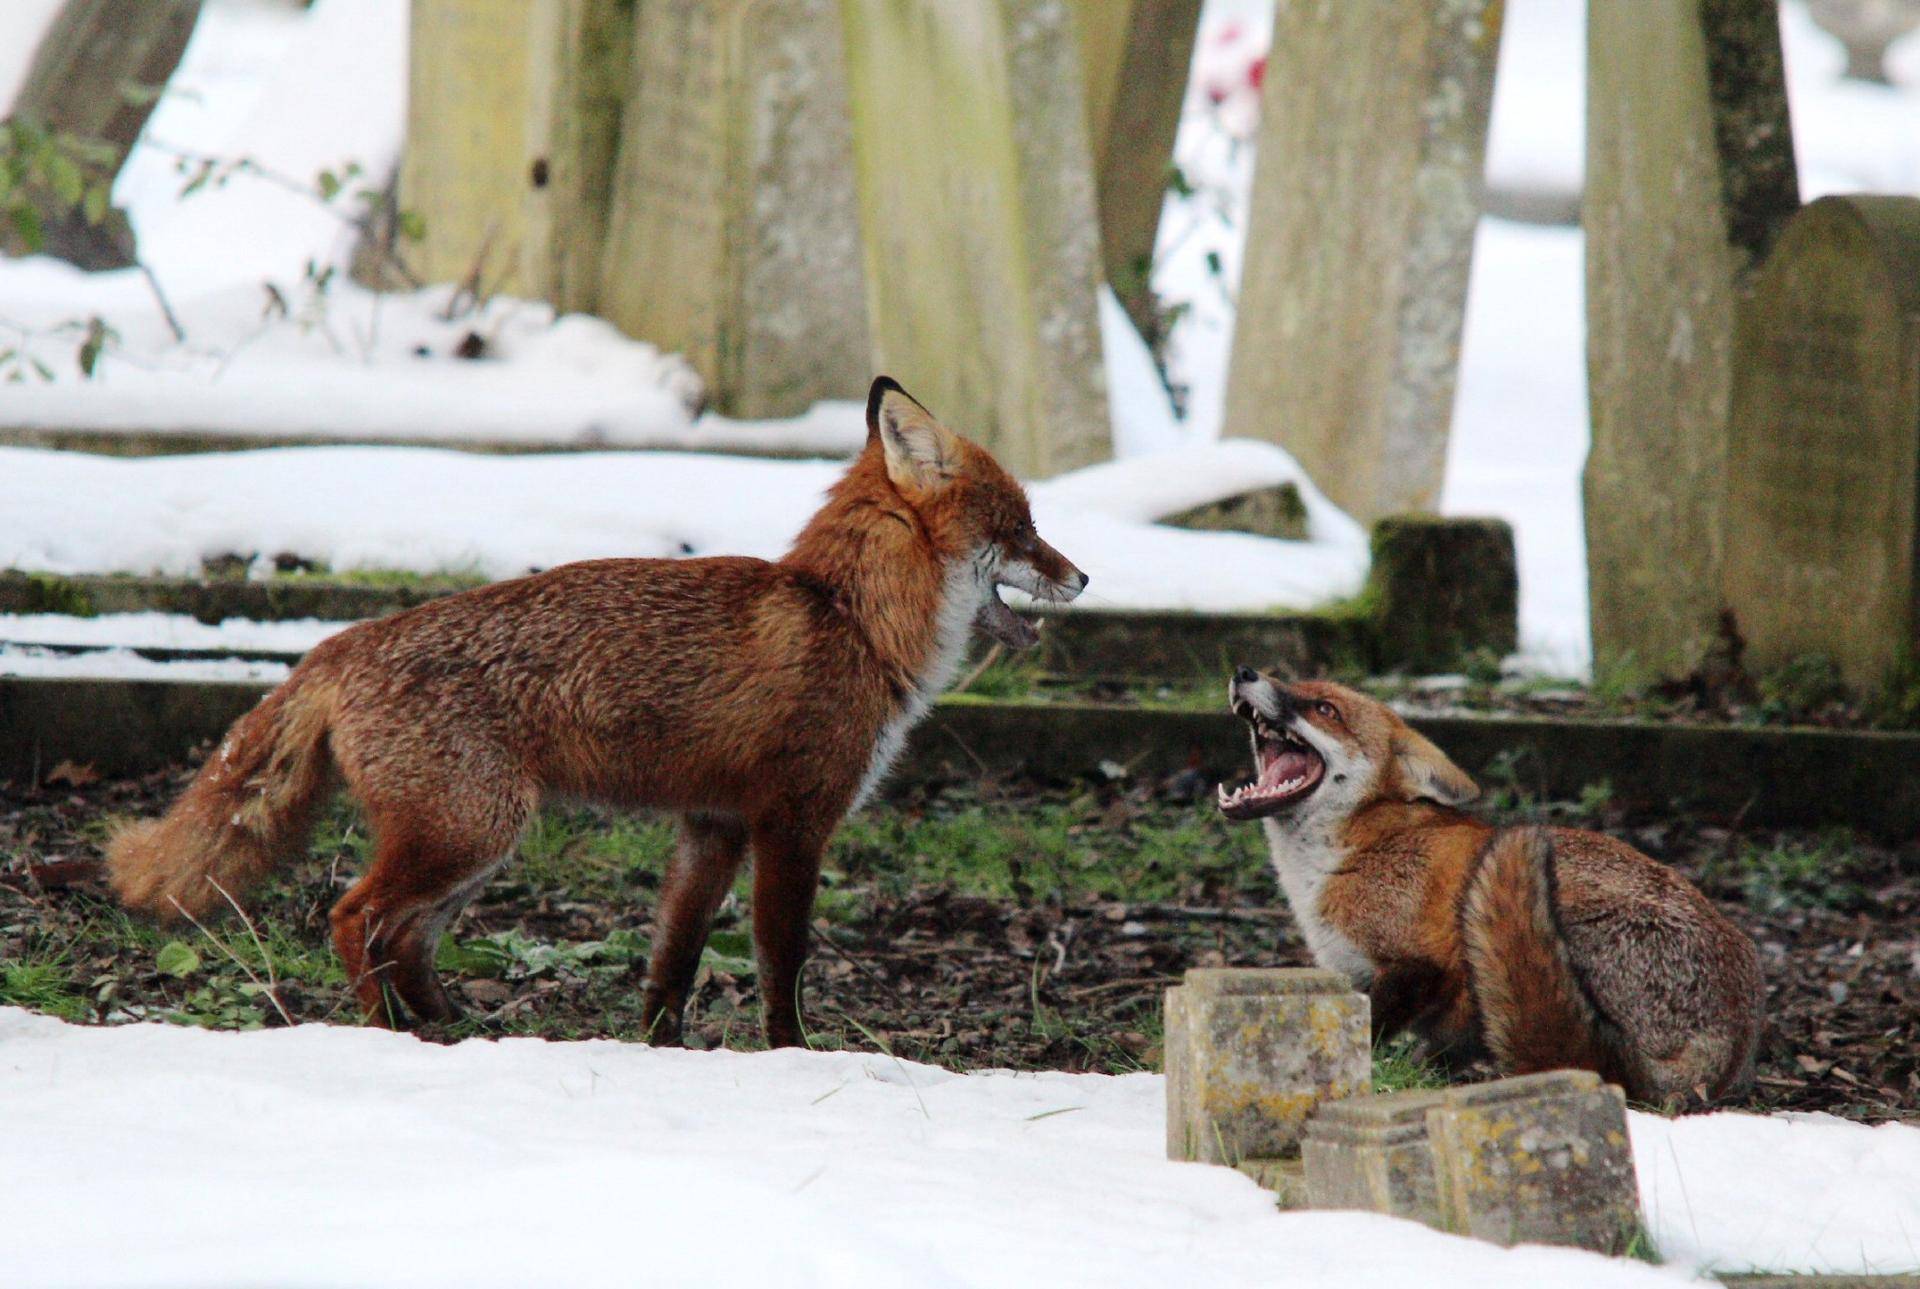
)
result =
(786, 869)
(704, 864)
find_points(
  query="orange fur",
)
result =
(1552, 947)
(758, 700)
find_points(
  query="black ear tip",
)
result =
(882, 386)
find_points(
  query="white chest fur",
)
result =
(968, 584)
(1304, 855)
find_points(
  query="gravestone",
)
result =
(1538, 1159)
(1250, 1054)
(96, 76)
(1690, 173)
(978, 212)
(1823, 457)
(1366, 191)
(513, 115)
(1136, 55)
(735, 232)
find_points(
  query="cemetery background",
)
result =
(1785, 1193)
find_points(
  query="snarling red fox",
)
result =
(760, 701)
(1546, 947)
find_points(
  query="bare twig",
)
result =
(227, 949)
(160, 297)
(471, 293)
(361, 223)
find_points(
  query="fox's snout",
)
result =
(1042, 572)
(1249, 693)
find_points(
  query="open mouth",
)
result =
(1287, 771)
(1004, 625)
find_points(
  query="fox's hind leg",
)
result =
(704, 864)
(425, 869)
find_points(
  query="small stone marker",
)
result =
(734, 237)
(1823, 458)
(978, 212)
(1250, 1054)
(1690, 173)
(1540, 1159)
(1366, 192)
(1441, 589)
(1277, 511)
(512, 117)
(1137, 54)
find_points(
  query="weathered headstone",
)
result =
(1366, 191)
(96, 75)
(1250, 1054)
(513, 114)
(1136, 55)
(1539, 1159)
(1690, 172)
(735, 235)
(978, 212)
(1823, 457)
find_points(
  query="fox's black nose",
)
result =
(1246, 675)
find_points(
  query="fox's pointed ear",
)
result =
(919, 450)
(1427, 771)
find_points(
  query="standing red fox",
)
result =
(761, 701)
(1549, 946)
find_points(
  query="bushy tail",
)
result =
(251, 805)
(1534, 1009)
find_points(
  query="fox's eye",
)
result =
(1324, 708)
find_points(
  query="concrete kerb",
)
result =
(1765, 777)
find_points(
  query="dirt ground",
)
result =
(1010, 924)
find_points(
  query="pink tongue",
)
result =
(1290, 764)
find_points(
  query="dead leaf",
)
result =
(74, 776)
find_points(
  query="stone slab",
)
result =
(1136, 55)
(1823, 454)
(1270, 512)
(1690, 172)
(1443, 589)
(512, 116)
(1539, 1159)
(1366, 193)
(978, 210)
(735, 234)
(1251, 1053)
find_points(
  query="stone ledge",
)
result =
(1392, 627)
(1771, 778)
(1539, 1159)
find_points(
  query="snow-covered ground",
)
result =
(354, 364)
(437, 510)
(157, 1155)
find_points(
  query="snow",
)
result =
(228, 1158)
(332, 1155)
(1789, 1192)
(35, 662)
(349, 364)
(166, 631)
(434, 510)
